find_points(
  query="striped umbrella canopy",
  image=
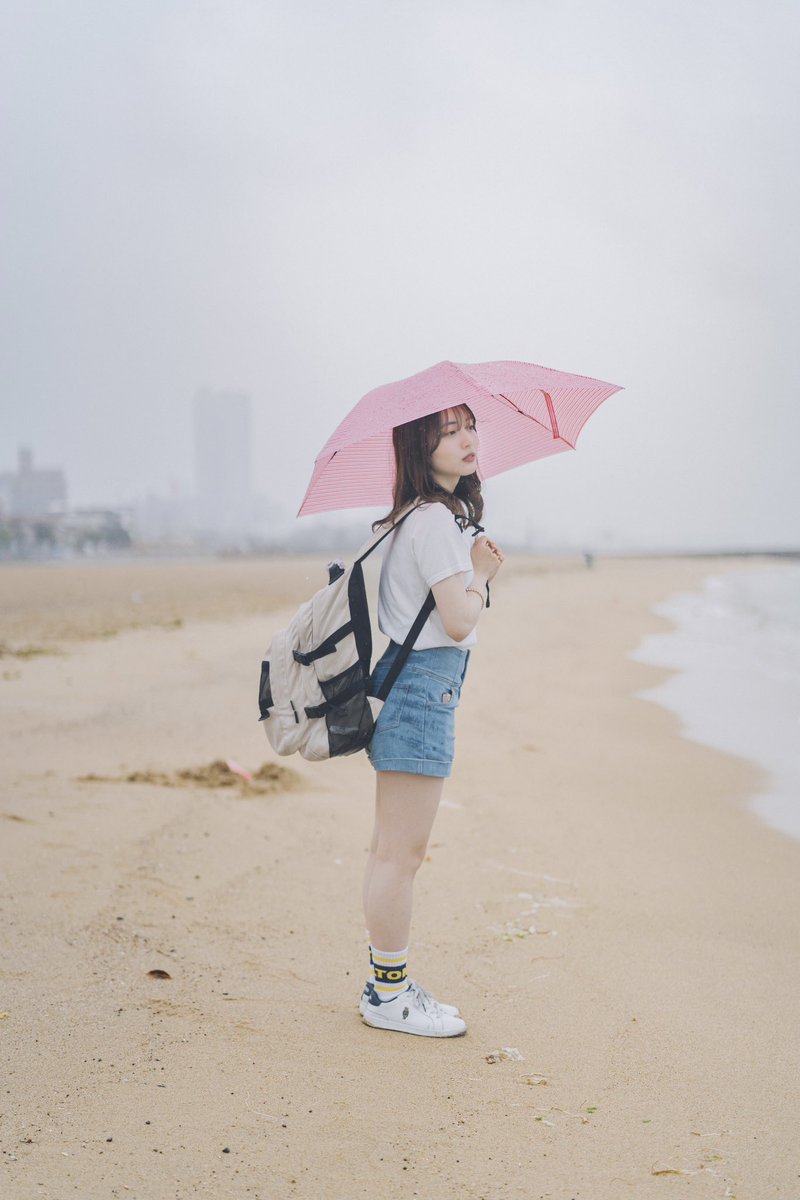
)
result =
(523, 411)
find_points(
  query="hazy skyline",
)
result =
(302, 202)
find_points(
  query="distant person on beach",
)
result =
(440, 547)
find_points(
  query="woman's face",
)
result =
(457, 452)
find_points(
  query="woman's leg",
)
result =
(405, 808)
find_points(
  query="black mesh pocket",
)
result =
(349, 717)
(265, 701)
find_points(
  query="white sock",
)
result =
(389, 971)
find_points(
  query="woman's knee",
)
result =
(406, 857)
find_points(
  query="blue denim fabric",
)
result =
(415, 730)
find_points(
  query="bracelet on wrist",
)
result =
(478, 594)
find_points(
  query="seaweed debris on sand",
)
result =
(217, 774)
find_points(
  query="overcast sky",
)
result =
(304, 200)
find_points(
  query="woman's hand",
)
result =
(487, 558)
(457, 607)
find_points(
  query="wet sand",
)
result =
(597, 898)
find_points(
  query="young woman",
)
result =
(437, 547)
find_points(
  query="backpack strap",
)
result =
(427, 608)
(378, 537)
(407, 646)
(421, 617)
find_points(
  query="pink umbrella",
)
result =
(524, 412)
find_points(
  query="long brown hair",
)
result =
(414, 443)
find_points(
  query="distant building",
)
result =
(223, 464)
(31, 491)
(163, 520)
(86, 531)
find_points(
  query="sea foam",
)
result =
(736, 648)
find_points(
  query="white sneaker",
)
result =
(450, 1009)
(412, 1011)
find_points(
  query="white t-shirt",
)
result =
(427, 547)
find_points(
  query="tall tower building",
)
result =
(223, 467)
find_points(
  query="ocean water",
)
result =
(736, 648)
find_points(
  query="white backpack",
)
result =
(313, 693)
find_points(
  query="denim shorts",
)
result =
(415, 730)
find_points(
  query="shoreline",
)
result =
(734, 659)
(597, 896)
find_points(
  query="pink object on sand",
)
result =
(524, 412)
(233, 766)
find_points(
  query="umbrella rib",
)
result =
(547, 399)
(551, 410)
(553, 422)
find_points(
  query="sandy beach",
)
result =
(598, 901)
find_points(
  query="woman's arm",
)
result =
(458, 608)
